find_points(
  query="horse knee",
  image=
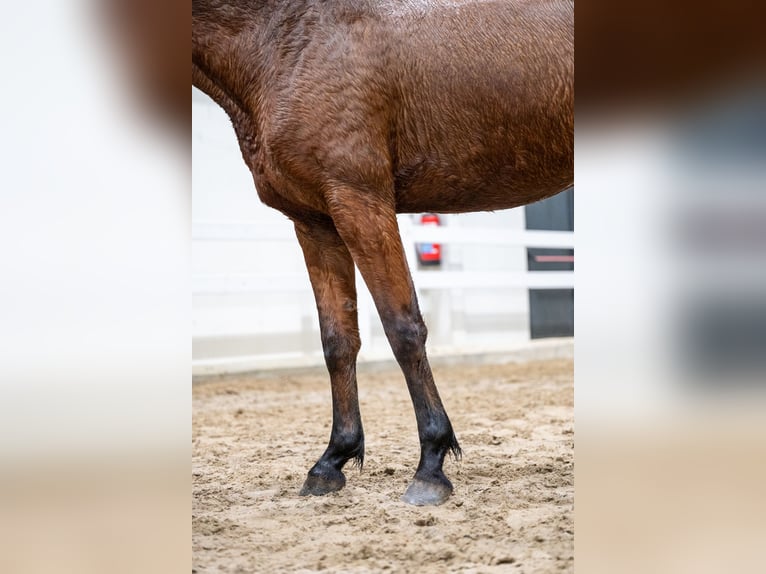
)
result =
(408, 338)
(340, 349)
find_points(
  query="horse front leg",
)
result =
(369, 229)
(331, 271)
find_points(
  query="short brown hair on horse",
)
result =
(349, 112)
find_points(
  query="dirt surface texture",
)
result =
(255, 437)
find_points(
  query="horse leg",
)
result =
(331, 271)
(369, 229)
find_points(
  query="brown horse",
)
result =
(348, 112)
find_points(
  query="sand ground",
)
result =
(254, 438)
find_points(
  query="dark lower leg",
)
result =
(367, 223)
(437, 439)
(331, 271)
(346, 438)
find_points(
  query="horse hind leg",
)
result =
(331, 271)
(369, 229)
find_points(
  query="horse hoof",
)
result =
(318, 484)
(422, 493)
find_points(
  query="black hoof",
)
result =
(423, 493)
(318, 484)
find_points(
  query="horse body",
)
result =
(348, 112)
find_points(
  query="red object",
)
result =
(429, 253)
(554, 258)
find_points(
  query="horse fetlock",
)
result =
(438, 438)
(453, 447)
(345, 446)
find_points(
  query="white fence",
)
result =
(443, 294)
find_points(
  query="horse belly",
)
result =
(489, 123)
(446, 199)
(484, 184)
